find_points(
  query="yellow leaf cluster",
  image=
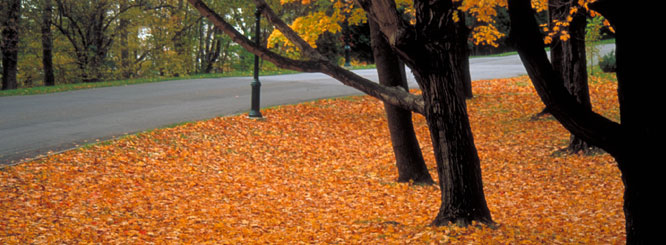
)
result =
(309, 27)
(318, 172)
(304, 2)
(486, 35)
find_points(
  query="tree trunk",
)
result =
(125, 63)
(391, 72)
(462, 57)
(635, 143)
(210, 48)
(9, 43)
(643, 132)
(458, 164)
(569, 59)
(431, 56)
(47, 44)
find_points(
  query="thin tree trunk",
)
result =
(9, 43)
(391, 72)
(569, 59)
(125, 63)
(47, 43)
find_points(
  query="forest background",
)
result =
(93, 41)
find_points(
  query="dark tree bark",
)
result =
(636, 142)
(11, 9)
(47, 43)
(569, 59)
(462, 56)
(391, 72)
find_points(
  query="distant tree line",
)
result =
(45, 42)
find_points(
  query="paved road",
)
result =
(34, 125)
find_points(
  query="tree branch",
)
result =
(391, 95)
(289, 33)
(607, 8)
(576, 118)
(397, 31)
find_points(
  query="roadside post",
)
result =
(256, 84)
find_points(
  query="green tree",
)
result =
(91, 27)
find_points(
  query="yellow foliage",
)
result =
(564, 35)
(486, 35)
(309, 28)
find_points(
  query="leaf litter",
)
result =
(317, 172)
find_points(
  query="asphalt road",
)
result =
(35, 125)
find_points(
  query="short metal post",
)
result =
(347, 55)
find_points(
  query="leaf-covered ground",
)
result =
(318, 172)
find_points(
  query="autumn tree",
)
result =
(634, 142)
(10, 15)
(424, 47)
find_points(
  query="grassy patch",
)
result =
(78, 86)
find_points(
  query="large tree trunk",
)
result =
(458, 164)
(9, 42)
(569, 59)
(431, 56)
(635, 143)
(643, 132)
(391, 72)
(47, 43)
